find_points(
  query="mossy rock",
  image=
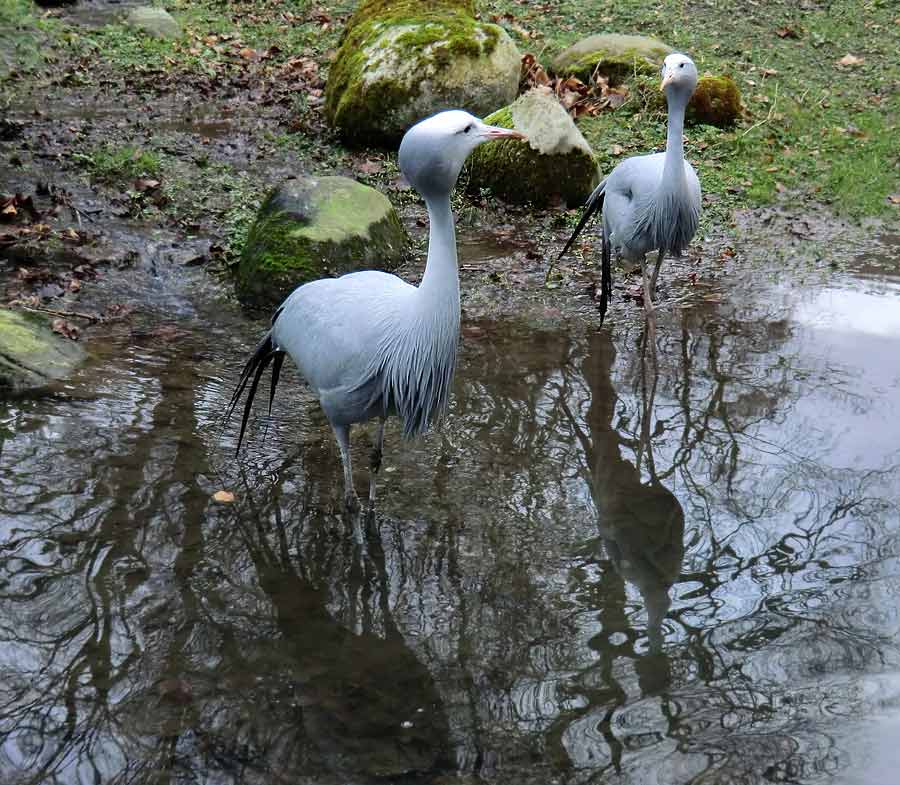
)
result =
(716, 101)
(154, 22)
(317, 227)
(556, 163)
(31, 354)
(613, 55)
(401, 61)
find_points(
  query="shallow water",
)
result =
(612, 564)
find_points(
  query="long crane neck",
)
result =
(440, 283)
(673, 168)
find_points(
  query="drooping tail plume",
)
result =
(264, 353)
(595, 204)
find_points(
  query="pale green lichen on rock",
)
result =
(154, 22)
(313, 228)
(402, 60)
(612, 55)
(31, 354)
(556, 163)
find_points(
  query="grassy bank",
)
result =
(819, 125)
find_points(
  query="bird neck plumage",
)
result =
(440, 283)
(673, 168)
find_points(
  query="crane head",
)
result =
(433, 151)
(679, 74)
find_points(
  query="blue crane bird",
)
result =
(649, 202)
(369, 344)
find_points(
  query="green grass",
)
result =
(23, 32)
(814, 128)
(214, 34)
(116, 164)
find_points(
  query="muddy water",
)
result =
(617, 562)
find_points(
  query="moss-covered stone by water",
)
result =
(313, 228)
(401, 61)
(31, 354)
(555, 164)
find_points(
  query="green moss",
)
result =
(616, 68)
(433, 33)
(30, 354)
(716, 101)
(298, 238)
(516, 173)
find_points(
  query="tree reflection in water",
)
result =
(613, 564)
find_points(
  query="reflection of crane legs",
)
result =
(375, 462)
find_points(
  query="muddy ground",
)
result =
(86, 239)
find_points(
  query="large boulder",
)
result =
(612, 55)
(31, 354)
(716, 101)
(154, 22)
(556, 163)
(316, 227)
(402, 60)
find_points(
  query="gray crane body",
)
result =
(369, 344)
(650, 203)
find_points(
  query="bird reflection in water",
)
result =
(640, 541)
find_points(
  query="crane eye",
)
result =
(681, 65)
(468, 128)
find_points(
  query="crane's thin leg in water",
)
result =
(342, 433)
(375, 462)
(648, 296)
(659, 260)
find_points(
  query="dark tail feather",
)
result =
(605, 274)
(276, 372)
(262, 355)
(594, 203)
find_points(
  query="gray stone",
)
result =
(392, 72)
(31, 354)
(555, 164)
(613, 55)
(317, 227)
(155, 22)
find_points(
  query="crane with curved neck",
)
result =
(369, 344)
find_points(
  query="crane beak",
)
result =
(667, 80)
(490, 132)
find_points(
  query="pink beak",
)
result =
(493, 132)
(667, 79)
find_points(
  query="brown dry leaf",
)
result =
(768, 72)
(894, 198)
(370, 167)
(145, 184)
(10, 210)
(247, 53)
(617, 149)
(787, 32)
(225, 497)
(850, 60)
(62, 327)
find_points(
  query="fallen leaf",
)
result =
(370, 167)
(617, 149)
(787, 32)
(768, 71)
(62, 327)
(850, 60)
(894, 198)
(225, 497)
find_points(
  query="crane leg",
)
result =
(659, 260)
(375, 461)
(342, 434)
(648, 295)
